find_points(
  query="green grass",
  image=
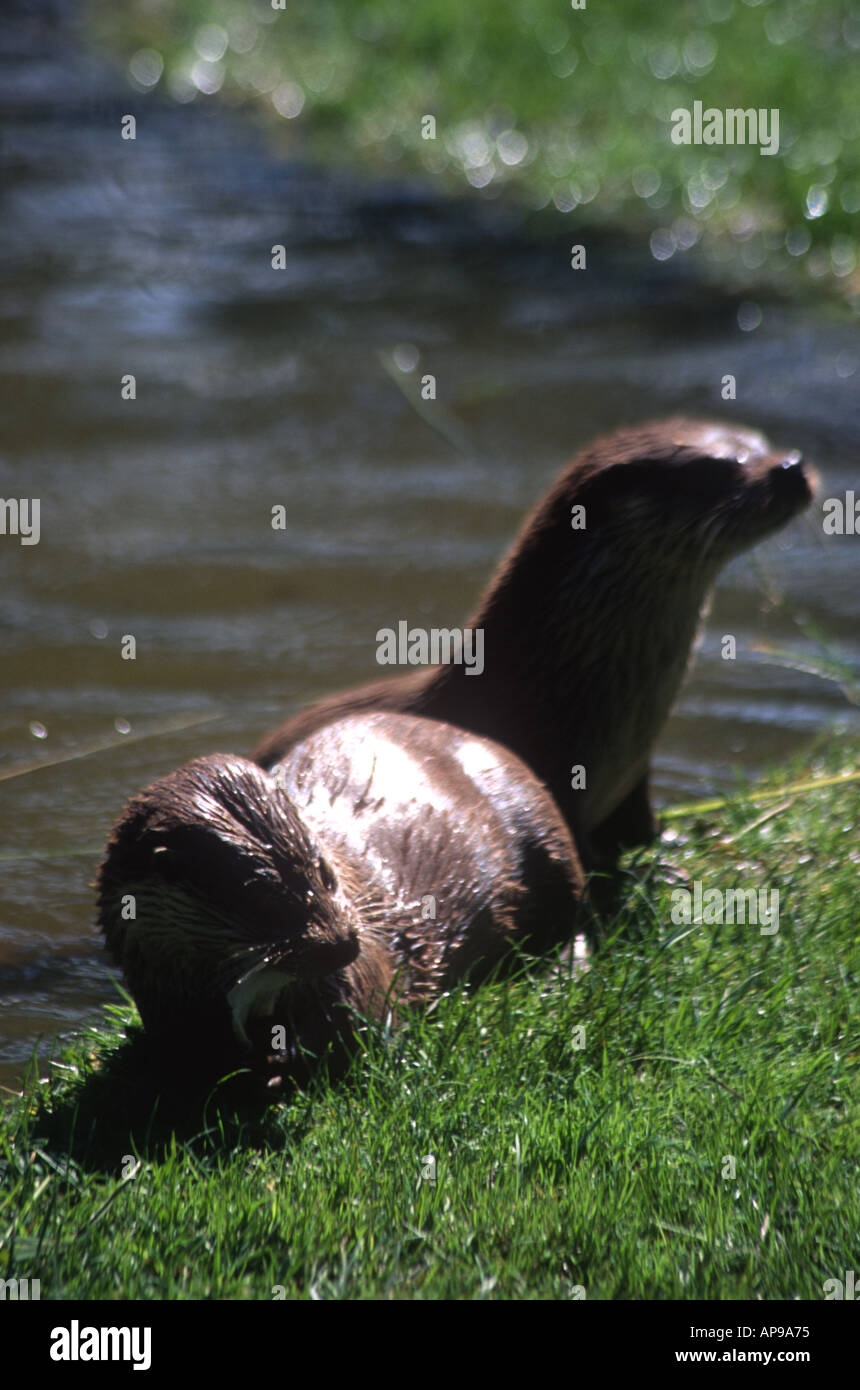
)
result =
(555, 107)
(557, 1167)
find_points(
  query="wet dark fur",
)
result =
(588, 634)
(385, 859)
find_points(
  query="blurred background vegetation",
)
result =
(554, 106)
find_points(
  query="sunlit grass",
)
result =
(680, 1122)
(559, 107)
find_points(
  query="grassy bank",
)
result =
(556, 106)
(597, 1159)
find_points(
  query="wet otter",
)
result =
(385, 858)
(588, 632)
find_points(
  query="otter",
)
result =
(384, 859)
(591, 618)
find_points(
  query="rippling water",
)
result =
(257, 387)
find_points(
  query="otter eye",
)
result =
(167, 862)
(327, 875)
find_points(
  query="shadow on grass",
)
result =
(134, 1098)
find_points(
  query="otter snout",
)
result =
(792, 481)
(322, 954)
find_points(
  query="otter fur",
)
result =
(386, 858)
(589, 628)
(393, 840)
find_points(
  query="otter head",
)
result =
(680, 498)
(646, 516)
(214, 898)
(628, 541)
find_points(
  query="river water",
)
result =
(257, 387)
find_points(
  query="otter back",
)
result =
(466, 846)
